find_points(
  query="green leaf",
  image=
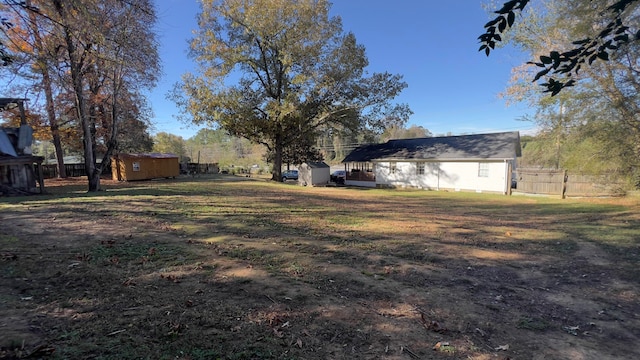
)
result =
(502, 25)
(622, 38)
(541, 74)
(511, 18)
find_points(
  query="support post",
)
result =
(565, 178)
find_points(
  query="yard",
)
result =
(239, 268)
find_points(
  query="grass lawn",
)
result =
(223, 267)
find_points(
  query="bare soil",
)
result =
(222, 267)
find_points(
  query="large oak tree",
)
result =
(278, 72)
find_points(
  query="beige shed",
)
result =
(314, 174)
(131, 167)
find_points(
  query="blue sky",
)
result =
(451, 86)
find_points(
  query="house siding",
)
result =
(445, 175)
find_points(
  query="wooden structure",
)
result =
(19, 170)
(131, 167)
(561, 183)
(314, 174)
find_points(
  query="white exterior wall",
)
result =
(455, 175)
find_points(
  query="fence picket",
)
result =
(564, 183)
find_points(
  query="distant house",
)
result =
(480, 163)
(314, 174)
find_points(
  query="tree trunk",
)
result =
(53, 124)
(48, 93)
(113, 139)
(81, 103)
(277, 160)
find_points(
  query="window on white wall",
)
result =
(392, 168)
(420, 168)
(483, 170)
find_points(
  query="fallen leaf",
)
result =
(503, 347)
(9, 256)
(299, 343)
(573, 330)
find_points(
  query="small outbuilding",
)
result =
(131, 167)
(314, 174)
(19, 169)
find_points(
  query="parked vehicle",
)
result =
(290, 175)
(339, 176)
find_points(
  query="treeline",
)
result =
(230, 152)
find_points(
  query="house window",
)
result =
(420, 168)
(483, 170)
(392, 168)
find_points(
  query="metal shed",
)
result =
(131, 167)
(314, 174)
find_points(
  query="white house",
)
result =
(480, 163)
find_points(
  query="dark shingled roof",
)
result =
(505, 145)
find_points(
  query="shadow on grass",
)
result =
(201, 268)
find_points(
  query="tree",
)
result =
(601, 109)
(610, 30)
(294, 71)
(28, 40)
(170, 144)
(103, 54)
(5, 56)
(396, 132)
(301, 151)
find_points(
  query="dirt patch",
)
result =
(233, 268)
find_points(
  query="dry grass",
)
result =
(235, 268)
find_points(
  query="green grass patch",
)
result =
(534, 324)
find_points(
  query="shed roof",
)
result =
(146, 156)
(317, 165)
(504, 145)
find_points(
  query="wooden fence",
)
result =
(50, 171)
(563, 183)
(195, 168)
(74, 170)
